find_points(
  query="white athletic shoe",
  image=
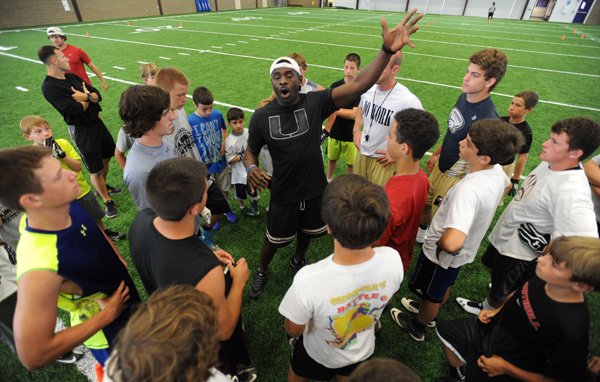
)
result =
(470, 306)
(413, 306)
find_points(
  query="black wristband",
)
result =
(514, 181)
(386, 50)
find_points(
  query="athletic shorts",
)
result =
(242, 190)
(508, 273)
(94, 143)
(335, 148)
(285, 220)
(216, 202)
(304, 366)
(440, 183)
(509, 169)
(90, 204)
(371, 169)
(223, 179)
(430, 281)
(469, 339)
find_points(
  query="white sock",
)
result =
(486, 305)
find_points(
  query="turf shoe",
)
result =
(231, 217)
(114, 235)
(111, 209)
(259, 283)
(413, 306)
(113, 190)
(70, 358)
(207, 239)
(247, 375)
(470, 306)
(404, 320)
(296, 266)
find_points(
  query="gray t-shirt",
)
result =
(595, 197)
(124, 141)
(140, 161)
(9, 230)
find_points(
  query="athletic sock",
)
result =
(486, 305)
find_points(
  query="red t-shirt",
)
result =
(77, 57)
(407, 194)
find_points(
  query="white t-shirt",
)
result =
(469, 207)
(558, 203)
(8, 273)
(341, 304)
(596, 198)
(234, 146)
(378, 109)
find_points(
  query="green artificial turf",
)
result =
(232, 56)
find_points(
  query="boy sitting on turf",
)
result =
(235, 146)
(521, 105)
(37, 130)
(335, 304)
(460, 223)
(541, 332)
(413, 132)
(209, 131)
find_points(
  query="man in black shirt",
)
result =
(79, 104)
(290, 126)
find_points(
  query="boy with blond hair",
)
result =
(37, 130)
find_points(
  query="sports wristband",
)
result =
(250, 168)
(386, 50)
(89, 97)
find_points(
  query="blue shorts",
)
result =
(430, 281)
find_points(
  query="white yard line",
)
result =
(20, 88)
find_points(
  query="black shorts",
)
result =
(285, 220)
(430, 281)
(469, 339)
(94, 143)
(241, 190)
(216, 202)
(508, 273)
(304, 366)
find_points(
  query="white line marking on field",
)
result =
(21, 88)
(7, 48)
(118, 67)
(183, 54)
(230, 44)
(254, 39)
(217, 47)
(142, 62)
(242, 42)
(164, 58)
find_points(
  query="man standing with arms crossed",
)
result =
(290, 126)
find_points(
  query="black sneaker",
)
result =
(403, 320)
(247, 375)
(70, 358)
(111, 209)
(114, 235)
(296, 266)
(413, 306)
(259, 283)
(113, 190)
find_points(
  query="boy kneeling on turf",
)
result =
(541, 333)
(335, 304)
(460, 223)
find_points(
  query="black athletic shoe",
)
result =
(111, 209)
(113, 190)
(114, 235)
(70, 358)
(296, 266)
(259, 283)
(413, 306)
(403, 320)
(247, 375)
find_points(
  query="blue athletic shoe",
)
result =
(231, 217)
(216, 226)
(207, 239)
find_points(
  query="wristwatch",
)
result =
(89, 96)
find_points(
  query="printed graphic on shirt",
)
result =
(358, 311)
(377, 113)
(183, 142)
(456, 121)
(527, 187)
(302, 126)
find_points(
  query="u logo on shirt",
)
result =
(301, 126)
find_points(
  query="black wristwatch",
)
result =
(89, 96)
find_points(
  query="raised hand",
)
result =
(394, 39)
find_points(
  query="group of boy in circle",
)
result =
(544, 251)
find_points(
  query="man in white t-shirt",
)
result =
(462, 220)
(334, 305)
(555, 201)
(374, 117)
